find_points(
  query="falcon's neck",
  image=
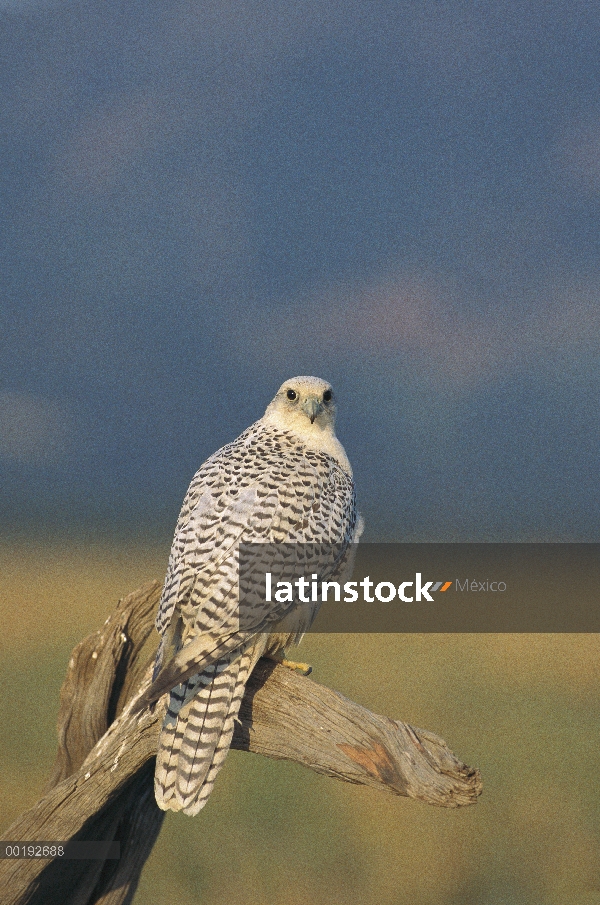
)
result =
(313, 436)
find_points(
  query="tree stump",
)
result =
(101, 786)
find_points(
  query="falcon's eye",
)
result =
(291, 394)
(327, 396)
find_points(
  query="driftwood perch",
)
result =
(101, 787)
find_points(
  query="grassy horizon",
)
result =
(523, 708)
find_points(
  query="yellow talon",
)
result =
(279, 656)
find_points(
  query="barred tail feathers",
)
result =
(197, 731)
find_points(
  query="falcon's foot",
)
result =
(279, 657)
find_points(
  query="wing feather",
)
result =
(278, 496)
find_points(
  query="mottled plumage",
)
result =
(286, 479)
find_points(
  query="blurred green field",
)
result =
(523, 708)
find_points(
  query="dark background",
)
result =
(201, 200)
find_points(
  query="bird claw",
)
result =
(304, 669)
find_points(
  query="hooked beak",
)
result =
(312, 407)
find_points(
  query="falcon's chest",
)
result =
(310, 498)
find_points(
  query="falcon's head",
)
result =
(304, 403)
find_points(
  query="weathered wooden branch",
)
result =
(101, 787)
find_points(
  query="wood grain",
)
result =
(101, 785)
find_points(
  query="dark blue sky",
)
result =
(200, 200)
